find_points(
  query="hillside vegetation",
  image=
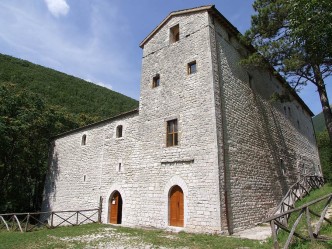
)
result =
(319, 122)
(58, 89)
(324, 146)
(38, 103)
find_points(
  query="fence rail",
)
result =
(26, 222)
(278, 222)
(296, 192)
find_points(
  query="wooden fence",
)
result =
(278, 222)
(296, 192)
(26, 222)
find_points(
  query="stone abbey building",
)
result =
(206, 151)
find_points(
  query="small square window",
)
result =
(192, 68)
(172, 133)
(156, 81)
(174, 34)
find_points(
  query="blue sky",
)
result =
(97, 40)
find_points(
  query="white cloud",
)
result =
(57, 7)
(86, 49)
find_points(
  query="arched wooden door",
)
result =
(115, 208)
(176, 213)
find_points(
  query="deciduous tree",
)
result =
(26, 126)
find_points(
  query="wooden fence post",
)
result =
(52, 214)
(76, 217)
(311, 235)
(274, 235)
(18, 223)
(4, 221)
(321, 219)
(100, 208)
(27, 223)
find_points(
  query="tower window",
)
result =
(119, 129)
(172, 133)
(250, 80)
(174, 34)
(83, 140)
(156, 81)
(282, 167)
(192, 68)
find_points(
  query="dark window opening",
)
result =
(172, 133)
(83, 140)
(156, 81)
(119, 131)
(250, 80)
(175, 34)
(192, 68)
(282, 167)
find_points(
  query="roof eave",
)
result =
(121, 115)
(172, 14)
(231, 28)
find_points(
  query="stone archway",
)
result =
(169, 187)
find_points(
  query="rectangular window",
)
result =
(289, 112)
(250, 80)
(119, 131)
(156, 81)
(192, 67)
(172, 133)
(174, 34)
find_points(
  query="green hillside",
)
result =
(38, 103)
(319, 122)
(324, 146)
(58, 89)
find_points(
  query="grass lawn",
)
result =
(107, 236)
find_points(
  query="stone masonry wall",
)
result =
(189, 98)
(76, 174)
(267, 144)
(235, 146)
(149, 169)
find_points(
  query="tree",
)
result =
(295, 37)
(325, 154)
(26, 126)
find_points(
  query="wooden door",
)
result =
(115, 208)
(176, 214)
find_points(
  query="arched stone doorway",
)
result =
(176, 210)
(115, 208)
